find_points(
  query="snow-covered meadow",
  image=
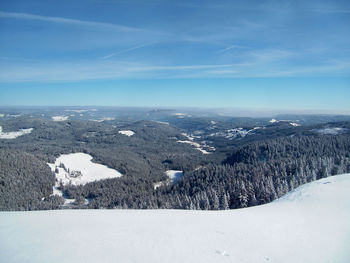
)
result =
(310, 224)
(77, 169)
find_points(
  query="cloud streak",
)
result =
(69, 21)
(127, 50)
(107, 70)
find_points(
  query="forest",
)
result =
(253, 166)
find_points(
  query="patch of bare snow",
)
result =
(187, 136)
(60, 118)
(105, 119)
(173, 177)
(162, 122)
(127, 133)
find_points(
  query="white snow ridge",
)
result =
(311, 224)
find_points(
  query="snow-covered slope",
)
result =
(14, 134)
(311, 224)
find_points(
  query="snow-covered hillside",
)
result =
(311, 224)
(14, 134)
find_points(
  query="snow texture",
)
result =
(127, 133)
(311, 224)
(14, 134)
(77, 169)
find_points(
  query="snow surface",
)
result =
(311, 224)
(80, 162)
(14, 134)
(60, 118)
(2, 115)
(127, 133)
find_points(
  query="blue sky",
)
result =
(243, 54)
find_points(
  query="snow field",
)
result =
(311, 224)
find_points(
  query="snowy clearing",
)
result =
(127, 133)
(60, 118)
(14, 134)
(174, 176)
(196, 145)
(77, 169)
(234, 133)
(311, 224)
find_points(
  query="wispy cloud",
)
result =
(69, 21)
(180, 67)
(104, 70)
(231, 47)
(127, 50)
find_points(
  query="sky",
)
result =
(273, 54)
